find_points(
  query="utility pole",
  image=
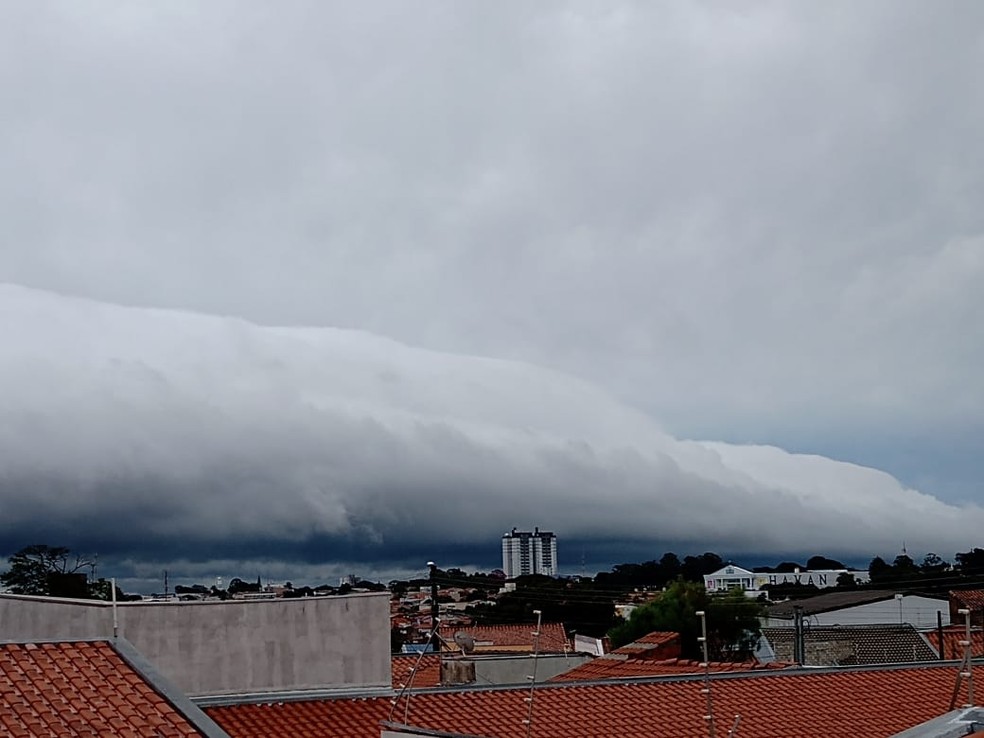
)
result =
(799, 646)
(709, 706)
(435, 610)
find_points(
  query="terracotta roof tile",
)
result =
(513, 638)
(427, 670)
(972, 599)
(846, 703)
(952, 636)
(78, 689)
(659, 644)
(612, 667)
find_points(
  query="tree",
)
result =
(32, 566)
(732, 621)
(822, 562)
(846, 580)
(879, 572)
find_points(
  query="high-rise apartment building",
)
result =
(529, 553)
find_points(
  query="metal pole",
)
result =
(435, 609)
(709, 712)
(939, 634)
(970, 659)
(116, 621)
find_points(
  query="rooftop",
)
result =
(830, 601)
(853, 644)
(512, 638)
(952, 637)
(87, 689)
(832, 703)
(608, 667)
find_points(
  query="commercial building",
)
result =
(735, 577)
(529, 553)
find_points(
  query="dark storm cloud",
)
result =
(754, 222)
(156, 435)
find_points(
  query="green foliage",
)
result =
(31, 566)
(579, 605)
(733, 625)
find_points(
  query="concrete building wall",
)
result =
(515, 669)
(919, 612)
(232, 647)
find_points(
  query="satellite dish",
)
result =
(465, 642)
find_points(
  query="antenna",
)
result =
(532, 677)
(966, 664)
(709, 712)
(734, 727)
(404, 688)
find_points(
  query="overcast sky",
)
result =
(577, 241)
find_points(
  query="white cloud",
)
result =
(168, 431)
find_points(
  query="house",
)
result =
(862, 607)
(101, 687)
(852, 645)
(334, 644)
(844, 702)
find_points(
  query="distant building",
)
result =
(734, 577)
(529, 553)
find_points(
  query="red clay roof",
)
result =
(607, 667)
(952, 636)
(658, 644)
(972, 599)
(513, 638)
(427, 670)
(80, 689)
(844, 703)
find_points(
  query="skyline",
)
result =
(381, 282)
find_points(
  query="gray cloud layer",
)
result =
(163, 431)
(754, 220)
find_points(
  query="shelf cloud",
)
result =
(157, 435)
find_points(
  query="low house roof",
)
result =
(608, 667)
(416, 670)
(649, 643)
(833, 703)
(830, 601)
(854, 644)
(514, 638)
(972, 599)
(953, 637)
(89, 688)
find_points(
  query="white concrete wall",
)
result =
(332, 643)
(919, 612)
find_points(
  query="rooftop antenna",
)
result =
(404, 688)
(966, 665)
(532, 677)
(706, 691)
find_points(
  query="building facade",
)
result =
(529, 553)
(735, 577)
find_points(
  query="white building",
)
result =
(529, 553)
(863, 607)
(735, 577)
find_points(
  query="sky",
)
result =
(336, 287)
